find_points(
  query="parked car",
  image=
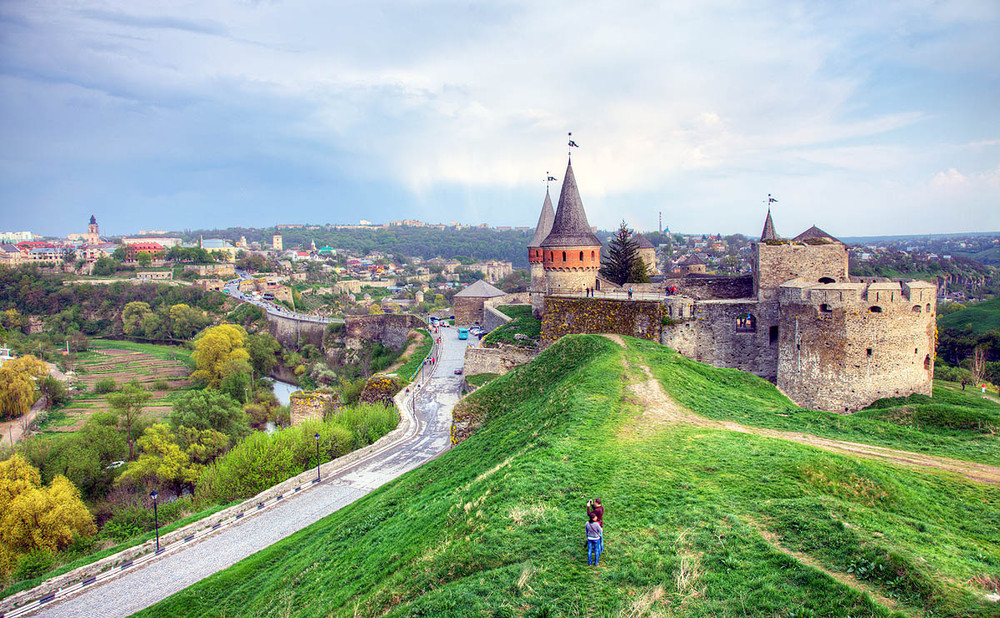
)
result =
(458, 371)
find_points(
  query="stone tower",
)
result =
(571, 254)
(647, 253)
(538, 289)
(93, 232)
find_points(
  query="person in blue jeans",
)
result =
(594, 534)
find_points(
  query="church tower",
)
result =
(93, 233)
(571, 254)
(537, 289)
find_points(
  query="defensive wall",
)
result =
(572, 315)
(389, 329)
(496, 360)
(844, 345)
(295, 332)
(710, 287)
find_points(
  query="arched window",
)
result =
(826, 280)
(927, 362)
(581, 256)
(928, 307)
(564, 256)
(746, 323)
(825, 308)
(874, 309)
(591, 256)
(916, 309)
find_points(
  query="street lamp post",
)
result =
(156, 519)
(317, 456)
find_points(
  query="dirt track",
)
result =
(661, 409)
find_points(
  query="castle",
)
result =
(827, 340)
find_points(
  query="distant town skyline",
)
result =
(864, 120)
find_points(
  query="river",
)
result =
(283, 391)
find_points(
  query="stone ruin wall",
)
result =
(569, 316)
(838, 355)
(390, 330)
(574, 281)
(496, 360)
(468, 310)
(305, 406)
(711, 287)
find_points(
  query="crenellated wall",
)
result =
(843, 346)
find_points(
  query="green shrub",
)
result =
(263, 460)
(34, 564)
(105, 385)
(161, 385)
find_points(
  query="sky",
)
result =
(864, 118)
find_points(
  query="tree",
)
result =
(186, 321)
(54, 390)
(36, 518)
(19, 385)
(85, 456)
(621, 263)
(128, 405)
(236, 380)
(144, 258)
(208, 409)
(105, 267)
(215, 347)
(132, 317)
(263, 349)
(978, 364)
(120, 253)
(173, 459)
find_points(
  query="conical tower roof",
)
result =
(814, 233)
(642, 242)
(570, 227)
(544, 222)
(768, 233)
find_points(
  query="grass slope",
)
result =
(978, 318)
(699, 521)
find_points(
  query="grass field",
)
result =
(979, 318)
(419, 348)
(523, 323)
(702, 517)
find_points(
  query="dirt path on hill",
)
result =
(405, 356)
(660, 409)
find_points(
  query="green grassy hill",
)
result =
(980, 318)
(712, 508)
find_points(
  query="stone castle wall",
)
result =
(568, 316)
(493, 318)
(711, 287)
(468, 310)
(390, 330)
(496, 360)
(295, 333)
(570, 281)
(843, 346)
(774, 264)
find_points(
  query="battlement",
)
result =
(876, 297)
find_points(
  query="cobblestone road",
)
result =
(173, 572)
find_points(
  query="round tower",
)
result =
(538, 287)
(571, 254)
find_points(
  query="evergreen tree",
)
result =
(622, 263)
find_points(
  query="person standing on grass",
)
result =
(595, 508)
(594, 535)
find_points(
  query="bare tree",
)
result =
(978, 365)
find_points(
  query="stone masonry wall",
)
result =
(711, 288)
(493, 318)
(840, 351)
(496, 360)
(776, 264)
(570, 281)
(309, 406)
(294, 333)
(567, 316)
(468, 311)
(390, 330)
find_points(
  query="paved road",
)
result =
(175, 571)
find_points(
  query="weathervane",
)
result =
(770, 200)
(549, 178)
(572, 144)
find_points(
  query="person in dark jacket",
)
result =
(594, 507)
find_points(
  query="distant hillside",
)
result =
(712, 508)
(979, 318)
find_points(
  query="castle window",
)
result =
(825, 308)
(927, 362)
(564, 256)
(916, 309)
(746, 323)
(826, 280)
(928, 307)
(874, 309)
(591, 256)
(581, 256)
(869, 350)
(772, 335)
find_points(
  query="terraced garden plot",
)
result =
(148, 364)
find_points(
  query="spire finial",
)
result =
(549, 178)
(572, 145)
